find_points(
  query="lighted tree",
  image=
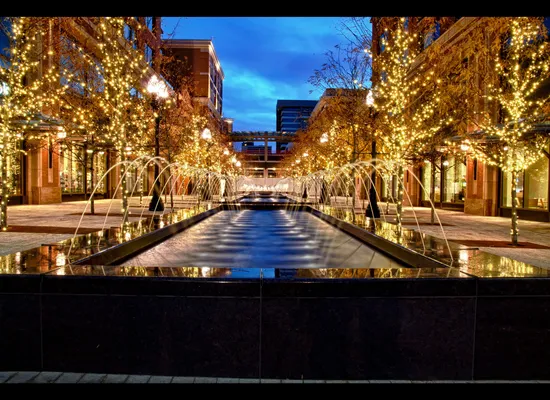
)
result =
(119, 71)
(408, 104)
(30, 89)
(345, 120)
(505, 131)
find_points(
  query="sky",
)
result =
(264, 59)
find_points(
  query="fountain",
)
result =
(291, 281)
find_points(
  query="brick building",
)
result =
(463, 183)
(206, 71)
(50, 173)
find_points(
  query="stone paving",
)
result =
(465, 227)
(66, 214)
(70, 377)
(474, 227)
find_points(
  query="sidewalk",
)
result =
(71, 377)
(463, 226)
(63, 215)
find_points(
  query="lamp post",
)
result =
(207, 135)
(373, 211)
(159, 91)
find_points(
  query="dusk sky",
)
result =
(264, 59)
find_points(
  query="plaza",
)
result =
(392, 228)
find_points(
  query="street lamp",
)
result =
(206, 134)
(373, 211)
(159, 91)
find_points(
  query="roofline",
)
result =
(195, 44)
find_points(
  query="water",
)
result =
(262, 239)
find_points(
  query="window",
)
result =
(5, 29)
(432, 34)
(454, 176)
(149, 23)
(427, 182)
(507, 189)
(381, 42)
(129, 33)
(148, 54)
(536, 184)
(406, 24)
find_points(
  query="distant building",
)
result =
(205, 68)
(292, 115)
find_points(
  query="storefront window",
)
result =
(531, 189)
(507, 188)
(455, 180)
(99, 170)
(14, 174)
(427, 182)
(536, 184)
(71, 177)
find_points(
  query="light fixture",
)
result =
(324, 138)
(370, 99)
(445, 163)
(238, 164)
(206, 134)
(157, 87)
(61, 134)
(464, 147)
(226, 152)
(60, 260)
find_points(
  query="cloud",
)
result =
(264, 59)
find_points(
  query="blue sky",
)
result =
(263, 58)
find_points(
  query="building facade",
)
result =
(462, 183)
(205, 69)
(292, 115)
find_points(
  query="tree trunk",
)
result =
(123, 175)
(142, 170)
(171, 194)
(515, 232)
(92, 201)
(388, 191)
(399, 203)
(5, 192)
(432, 192)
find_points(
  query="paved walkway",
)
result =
(473, 227)
(464, 227)
(71, 377)
(66, 215)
